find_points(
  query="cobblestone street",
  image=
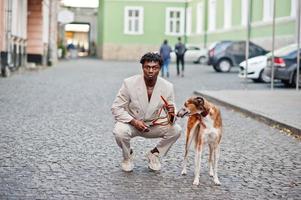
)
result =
(57, 142)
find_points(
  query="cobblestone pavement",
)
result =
(56, 141)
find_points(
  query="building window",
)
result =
(268, 6)
(212, 15)
(133, 20)
(244, 12)
(174, 24)
(188, 21)
(227, 13)
(200, 17)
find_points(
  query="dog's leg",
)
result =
(216, 152)
(198, 154)
(187, 145)
(210, 159)
(189, 139)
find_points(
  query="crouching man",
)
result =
(140, 110)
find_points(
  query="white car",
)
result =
(193, 54)
(255, 71)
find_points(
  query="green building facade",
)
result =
(129, 28)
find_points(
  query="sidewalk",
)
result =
(281, 109)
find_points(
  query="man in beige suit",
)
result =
(137, 111)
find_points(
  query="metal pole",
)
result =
(273, 45)
(298, 46)
(49, 55)
(248, 40)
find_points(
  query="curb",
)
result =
(290, 130)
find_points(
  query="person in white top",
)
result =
(144, 106)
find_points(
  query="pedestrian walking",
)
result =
(165, 51)
(180, 50)
(137, 109)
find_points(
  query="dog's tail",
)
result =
(193, 135)
(197, 134)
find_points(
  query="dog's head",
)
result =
(192, 106)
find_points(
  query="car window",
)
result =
(255, 50)
(237, 48)
(220, 45)
(285, 50)
(292, 55)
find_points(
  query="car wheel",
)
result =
(224, 65)
(286, 82)
(256, 80)
(263, 77)
(202, 60)
(215, 67)
(294, 82)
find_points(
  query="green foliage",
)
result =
(63, 48)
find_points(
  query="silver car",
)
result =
(193, 54)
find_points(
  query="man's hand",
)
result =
(139, 125)
(171, 112)
(170, 109)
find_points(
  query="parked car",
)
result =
(285, 65)
(193, 54)
(226, 54)
(255, 69)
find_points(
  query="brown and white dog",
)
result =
(204, 125)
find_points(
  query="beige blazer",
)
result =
(132, 101)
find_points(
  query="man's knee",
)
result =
(121, 130)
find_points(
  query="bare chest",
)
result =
(149, 92)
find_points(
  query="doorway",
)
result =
(77, 37)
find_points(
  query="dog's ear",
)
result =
(200, 100)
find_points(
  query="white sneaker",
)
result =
(153, 161)
(127, 165)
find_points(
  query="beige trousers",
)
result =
(124, 132)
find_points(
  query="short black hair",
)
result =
(151, 57)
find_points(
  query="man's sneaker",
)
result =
(153, 161)
(127, 165)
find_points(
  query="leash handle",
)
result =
(172, 117)
(164, 100)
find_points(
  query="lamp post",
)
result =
(273, 45)
(248, 39)
(298, 46)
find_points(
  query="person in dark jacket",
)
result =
(165, 50)
(180, 50)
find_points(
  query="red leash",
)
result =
(169, 117)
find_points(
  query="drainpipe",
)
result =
(298, 46)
